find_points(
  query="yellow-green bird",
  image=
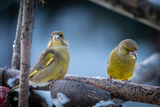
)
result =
(122, 60)
(53, 62)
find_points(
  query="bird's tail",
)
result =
(11, 90)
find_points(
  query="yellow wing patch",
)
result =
(34, 72)
(49, 61)
(46, 61)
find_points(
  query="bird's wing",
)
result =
(45, 59)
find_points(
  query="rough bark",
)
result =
(124, 91)
(16, 46)
(140, 10)
(6, 74)
(26, 41)
(79, 94)
(120, 90)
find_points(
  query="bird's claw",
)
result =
(127, 81)
(50, 85)
(110, 78)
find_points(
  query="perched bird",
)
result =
(53, 62)
(122, 60)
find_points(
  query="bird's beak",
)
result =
(56, 37)
(134, 54)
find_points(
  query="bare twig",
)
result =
(16, 46)
(26, 41)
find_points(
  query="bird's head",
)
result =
(58, 39)
(128, 47)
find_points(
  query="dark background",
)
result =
(92, 31)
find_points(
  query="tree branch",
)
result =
(124, 91)
(77, 93)
(16, 46)
(140, 10)
(120, 90)
(98, 86)
(26, 41)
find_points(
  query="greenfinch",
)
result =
(53, 62)
(122, 60)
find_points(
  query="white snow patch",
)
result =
(72, 75)
(123, 82)
(10, 81)
(17, 90)
(115, 80)
(34, 86)
(46, 95)
(13, 44)
(15, 98)
(100, 78)
(103, 103)
(60, 100)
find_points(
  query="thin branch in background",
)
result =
(29, 7)
(139, 10)
(16, 46)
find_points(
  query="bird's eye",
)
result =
(61, 35)
(126, 49)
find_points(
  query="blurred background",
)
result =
(92, 31)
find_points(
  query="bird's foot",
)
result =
(50, 85)
(110, 78)
(127, 81)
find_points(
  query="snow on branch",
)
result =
(79, 90)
